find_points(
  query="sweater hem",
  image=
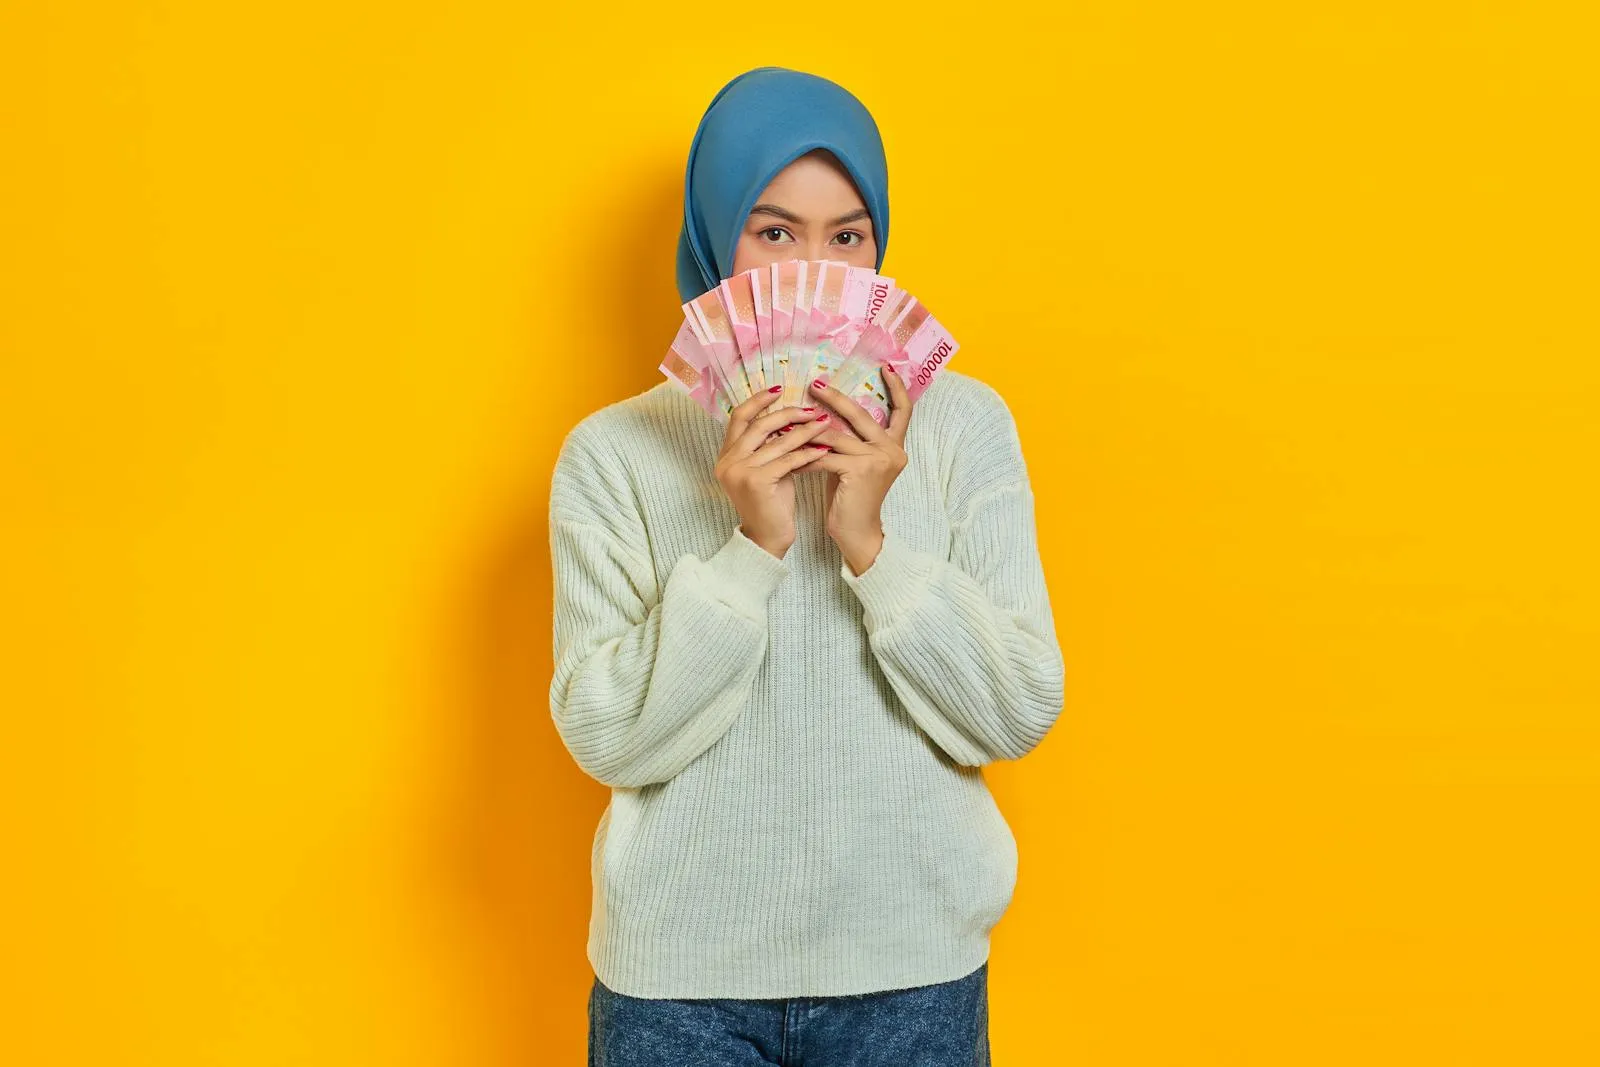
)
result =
(696, 972)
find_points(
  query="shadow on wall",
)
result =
(518, 837)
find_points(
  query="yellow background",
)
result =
(1294, 306)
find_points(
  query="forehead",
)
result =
(816, 178)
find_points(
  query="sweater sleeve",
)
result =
(644, 684)
(968, 642)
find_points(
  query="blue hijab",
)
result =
(756, 125)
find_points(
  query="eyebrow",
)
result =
(789, 216)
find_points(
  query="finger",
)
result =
(748, 408)
(792, 437)
(840, 441)
(762, 428)
(823, 460)
(899, 405)
(854, 414)
(800, 459)
(789, 438)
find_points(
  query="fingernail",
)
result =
(819, 383)
(823, 417)
(776, 389)
(808, 409)
(825, 448)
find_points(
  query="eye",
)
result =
(851, 233)
(774, 229)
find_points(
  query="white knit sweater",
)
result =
(793, 750)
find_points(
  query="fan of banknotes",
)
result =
(787, 323)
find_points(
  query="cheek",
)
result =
(751, 251)
(864, 256)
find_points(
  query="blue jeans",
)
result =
(941, 1025)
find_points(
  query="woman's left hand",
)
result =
(861, 469)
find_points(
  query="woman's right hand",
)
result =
(760, 449)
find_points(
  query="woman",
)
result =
(788, 654)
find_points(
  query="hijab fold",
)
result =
(756, 125)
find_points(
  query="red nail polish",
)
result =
(823, 417)
(808, 409)
(819, 383)
(776, 389)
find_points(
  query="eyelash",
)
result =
(860, 237)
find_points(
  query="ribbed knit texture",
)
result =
(793, 750)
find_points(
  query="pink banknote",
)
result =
(921, 348)
(861, 376)
(738, 300)
(829, 318)
(801, 352)
(789, 322)
(709, 321)
(864, 296)
(785, 280)
(689, 364)
(761, 295)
